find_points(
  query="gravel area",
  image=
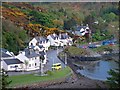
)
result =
(81, 82)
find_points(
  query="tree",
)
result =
(5, 81)
(109, 17)
(13, 37)
(26, 63)
(41, 18)
(113, 81)
(69, 24)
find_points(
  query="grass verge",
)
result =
(31, 78)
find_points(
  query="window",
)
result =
(12, 66)
(40, 42)
(31, 44)
(29, 65)
(33, 58)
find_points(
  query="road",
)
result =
(51, 56)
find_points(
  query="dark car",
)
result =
(92, 46)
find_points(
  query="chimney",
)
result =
(54, 34)
(87, 25)
(30, 51)
(60, 35)
(66, 33)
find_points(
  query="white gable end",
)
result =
(33, 41)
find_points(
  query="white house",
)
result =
(65, 38)
(82, 30)
(31, 59)
(12, 64)
(40, 41)
(9, 62)
(54, 40)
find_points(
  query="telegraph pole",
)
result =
(41, 68)
(65, 59)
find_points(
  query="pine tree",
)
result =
(4, 79)
(113, 81)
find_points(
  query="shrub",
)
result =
(49, 72)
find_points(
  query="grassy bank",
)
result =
(74, 51)
(31, 78)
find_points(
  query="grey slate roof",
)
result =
(3, 54)
(64, 36)
(3, 50)
(31, 47)
(41, 39)
(30, 53)
(54, 37)
(12, 61)
(80, 27)
(42, 53)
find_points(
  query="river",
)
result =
(99, 71)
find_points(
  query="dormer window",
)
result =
(37, 43)
(87, 29)
(40, 42)
(31, 44)
(43, 42)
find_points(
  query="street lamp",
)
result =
(57, 49)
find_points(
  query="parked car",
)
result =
(56, 66)
(92, 46)
(84, 46)
(108, 42)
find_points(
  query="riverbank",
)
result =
(79, 81)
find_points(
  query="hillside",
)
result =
(42, 19)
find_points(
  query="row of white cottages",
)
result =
(29, 59)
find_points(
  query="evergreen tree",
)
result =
(4, 79)
(113, 81)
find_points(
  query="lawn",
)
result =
(32, 78)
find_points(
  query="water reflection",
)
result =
(99, 70)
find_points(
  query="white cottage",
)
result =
(40, 41)
(9, 62)
(31, 59)
(65, 39)
(82, 30)
(12, 64)
(54, 40)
